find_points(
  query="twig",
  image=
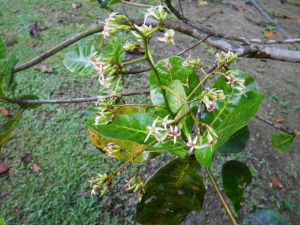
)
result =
(179, 7)
(285, 130)
(75, 100)
(199, 42)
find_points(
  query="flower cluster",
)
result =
(112, 148)
(135, 184)
(158, 13)
(144, 29)
(211, 140)
(237, 82)
(112, 24)
(195, 63)
(105, 115)
(226, 59)
(99, 184)
(210, 97)
(105, 70)
(165, 130)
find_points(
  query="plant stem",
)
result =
(136, 4)
(133, 61)
(223, 201)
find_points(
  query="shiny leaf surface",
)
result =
(171, 193)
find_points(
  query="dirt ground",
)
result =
(280, 82)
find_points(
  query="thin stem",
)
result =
(133, 61)
(136, 4)
(222, 199)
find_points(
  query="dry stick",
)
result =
(179, 7)
(75, 100)
(285, 130)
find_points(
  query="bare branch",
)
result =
(285, 130)
(75, 100)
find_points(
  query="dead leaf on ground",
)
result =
(11, 42)
(280, 120)
(201, 2)
(286, 17)
(270, 35)
(269, 105)
(41, 27)
(3, 168)
(35, 167)
(44, 68)
(293, 188)
(26, 158)
(278, 183)
(5, 111)
(76, 5)
(30, 45)
(239, 8)
(33, 30)
(14, 10)
(295, 174)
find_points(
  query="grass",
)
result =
(55, 134)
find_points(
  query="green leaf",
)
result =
(174, 102)
(78, 60)
(171, 193)
(7, 81)
(230, 116)
(3, 53)
(115, 50)
(236, 176)
(2, 222)
(31, 97)
(237, 142)
(6, 129)
(112, 2)
(127, 148)
(265, 217)
(282, 142)
(179, 149)
(186, 75)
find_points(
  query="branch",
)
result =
(75, 100)
(285, 130)
(58, 48)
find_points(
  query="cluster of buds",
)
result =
(112, 25)
(112, 148)
(226, 59)
(195, 63)
(99, 185)
(164, 131)
(211, 97)
(158, 13)
(211, 140)
(107, 73)
(144, 29)
(105, 115)
(135, 184)
(237, 82)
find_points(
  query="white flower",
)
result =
(111, 17)
(168, 37)
(192, 144)
(174, 133)
(153, 129)
(165, 122)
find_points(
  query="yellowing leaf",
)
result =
(270, 35)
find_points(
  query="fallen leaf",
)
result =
(262, 59)
(15, 10)
(269, 105)
(221, 11)
(41, 27)
(44, 68)
(279, 120)
(293, 188)
(295, 174)
(35, 167)
(270, 35)
(240, 9)
(3, 168)
(5, 111)
(201, 2)
(286, 17)
(33, 30)
(76, 5)
(26, 158)
(278, 183)
(11, 42)
(31, 45)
